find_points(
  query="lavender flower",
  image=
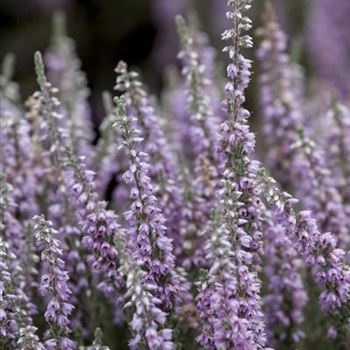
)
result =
(15, 308)
(219, 303)
(54, 285)
(99, 227)
(28, 340)
(318, 189)
(337, 148)
(203, 123)
(319, 251)
(148, 323)
(281, 113)
(163, 170)
(239, 199)
(303, 168)
(64, 71)
(286, 296)
(203, 128)
(62, 209)
(151, 247)
(16, 148)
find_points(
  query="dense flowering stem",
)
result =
(281, 114)
(99, 227)
(148, 323)
(203, 128)
(318, 250)
(337, 148)
(62, 209)
(150, 245)
(15, 310)
(64, 72)
(286, 296)
(318, 189)
(16, 155)
(164, 170)
(327, 43)
(54, 285)
(303, 168)
(219, 302)
(203, 124)
(239, 199)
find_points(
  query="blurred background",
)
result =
(142, 33)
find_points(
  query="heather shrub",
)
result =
(174, 225)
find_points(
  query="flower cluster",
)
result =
(54, 284)
(151, 247)
(160, 228)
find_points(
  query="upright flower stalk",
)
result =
(203, 128)
(318, 189)
(319, 251)
(337, 149)
(240, 206)
(148, 239)
(286, 296)
(99, 227)
(163, 171)
(16, 324)
(54, 285)
(64, 72)
(61, 208)
(148, 323)
(302, 169)
(281, 115)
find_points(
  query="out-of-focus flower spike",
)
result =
(337, 148)
(15, 316)
(286, 296)
(317, 188)
(97, 343)
(8, 89)
(64, 71)
(203, 129)
(282, 115)
(326, 41)
(54, 285)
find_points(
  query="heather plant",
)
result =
(170, 225)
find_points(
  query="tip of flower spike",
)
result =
(121, 67)
(182, 30)
(269, 14)
(180, 23)
(7, 66)
(59, 25)
(39, 68)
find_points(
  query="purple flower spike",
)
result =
(286, 297)
(150, 245)
(240, 210)
(99, 227)
(54, 285)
